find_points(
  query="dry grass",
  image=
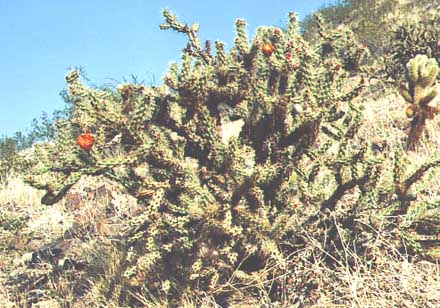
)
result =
(386, 279)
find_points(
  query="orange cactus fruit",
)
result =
(267, 49)
(410, 111)
(85, 141)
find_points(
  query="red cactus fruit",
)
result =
(85, 141)
(267, 49)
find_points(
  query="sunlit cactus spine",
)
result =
(420, 95)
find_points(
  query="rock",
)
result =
(102, 192)
(74, 200)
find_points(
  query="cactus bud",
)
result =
(195, 27)
(410, 111)
(72, 76)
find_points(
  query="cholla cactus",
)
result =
(219, 204)
(422, 74)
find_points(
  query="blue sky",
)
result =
(110, 39)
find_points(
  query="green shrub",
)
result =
(12, 223)
(410, 38)
(10, 160)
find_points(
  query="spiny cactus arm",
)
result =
(292, 27)
(329, 87)
(350, 95)
(67, 176)
(399, 169)
(307, 75)
(413, 70)
(422, 74)
(102, 102)
(197, 201)
(349, 126)
(324, 31)
(404, 185)
(220, 53)
(69, 169)
(340, 191)
(420, 172)
(209, 140)
(243, 188)
(335, 162)
(236, 75)
(322, 27)
(191, 31)
(331, 133)
(241, 41)
(316, 155)
(255, 198)
(329, 204)
(342, 159)
(370, 190)
(403, 90)
(310, 98)
(200, 98)
(133, 187)
(305, 121)
(57, 189)
(103, 117)
(261, 175)
(171, 78)
(352, 122)
(428, 73)
(279, 39)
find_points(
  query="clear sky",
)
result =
(110, 39)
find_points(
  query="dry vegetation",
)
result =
(67, 255)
